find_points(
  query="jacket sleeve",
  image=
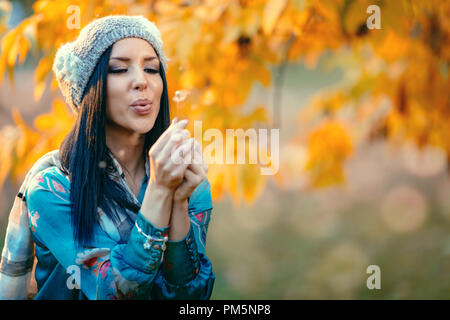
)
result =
(186, 271)
(114, 272)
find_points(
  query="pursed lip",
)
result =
(141, 102)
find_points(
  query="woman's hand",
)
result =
(194, 174)
(180, 222)
(165, 173)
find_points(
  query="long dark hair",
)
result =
(84, 148)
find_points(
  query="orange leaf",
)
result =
(43, 68)
(272, 12)
(38, 91)
(253, 183)
(24, 46)
(8, 139)
(44, 122)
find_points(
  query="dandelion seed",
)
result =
(181, 95)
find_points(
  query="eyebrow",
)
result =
(128, 59)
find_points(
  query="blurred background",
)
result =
(360, 95)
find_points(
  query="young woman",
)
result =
(113, 213)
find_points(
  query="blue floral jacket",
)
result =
(121, 263)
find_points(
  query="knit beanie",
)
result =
(75, 61)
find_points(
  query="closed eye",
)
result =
(117, 70)
(148, 70)
(153, 71)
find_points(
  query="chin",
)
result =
(144, 128)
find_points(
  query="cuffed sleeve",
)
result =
(145, 245)
(187, 272)
(199, 288)
(181, 261)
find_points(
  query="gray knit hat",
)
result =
(75, 61)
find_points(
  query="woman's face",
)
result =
(134, 85)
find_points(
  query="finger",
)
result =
(165, 136)
(199, 159)
(188, 185)
(189, 176)
(205, 167)
(175, 141)
(174, 127)
(197, 169)
(197, 146)
(198, 156)
(187, 151)
(181, 157)
(192, 179)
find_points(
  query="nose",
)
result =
(140, 82)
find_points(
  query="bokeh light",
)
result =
(404, 209)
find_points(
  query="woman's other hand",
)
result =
(165, 171)
(194, 174)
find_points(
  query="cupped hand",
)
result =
(194, 174)
(165, 171)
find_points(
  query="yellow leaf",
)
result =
(24, 46)
(61, 111)
(8, 139)
(272, 12)
(43, 68)
(38, 91)
(216, 179)
(263, 75)
(253, 183)
(231, 33)
(259, 114)
(209, 97)
(54, 85)
(44, 122)
(41, 5)
(231, 181)
(166, 8)
(18, 120)
(13, 51)
(25, 146)
(8, 41)
(2, 67)
(210, 12)
(187, 79)
(328, 147)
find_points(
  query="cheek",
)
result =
(158, 90)
(160, 86)
(157, 87)
(113, 88)
(114, 96)
(158, 96)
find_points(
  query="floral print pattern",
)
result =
(108, 269)
(34, 216)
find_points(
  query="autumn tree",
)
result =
(396, 78)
